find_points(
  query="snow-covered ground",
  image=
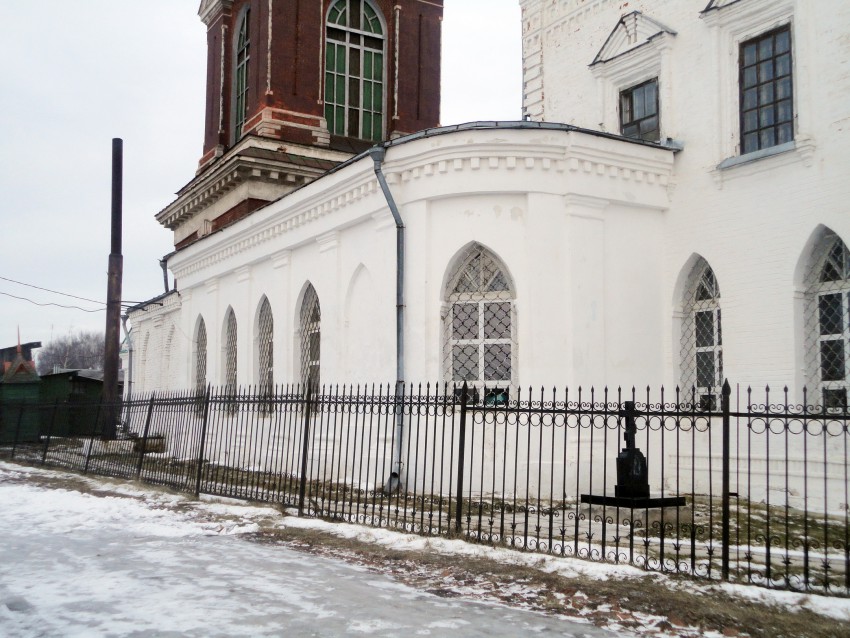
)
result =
(76, 564)
(123, 560)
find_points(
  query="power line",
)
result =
(55, 292)
(53, 304)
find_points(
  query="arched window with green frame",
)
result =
(354, 70)
(240, 88)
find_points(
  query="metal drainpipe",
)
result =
(378, 153)
(163, 263)
(128, 378)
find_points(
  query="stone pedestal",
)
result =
(632, 474)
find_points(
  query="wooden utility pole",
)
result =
(113, 296)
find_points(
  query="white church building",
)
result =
(673, 210)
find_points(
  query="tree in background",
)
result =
(75, 350)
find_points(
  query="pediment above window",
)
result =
(732, 12)
(719, 4)
(633, 31)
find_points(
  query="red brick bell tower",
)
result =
(294, 87)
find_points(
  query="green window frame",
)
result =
(354, 70)
(243, 57)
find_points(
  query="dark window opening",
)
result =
(766, 91)
(243, 56)
(639, 112)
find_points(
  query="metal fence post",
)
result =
(302, 488)
(461, 453)
(203, 443)
(49, 431)
(727, 391)
(18, 427)
(94, 431)
(144, 441)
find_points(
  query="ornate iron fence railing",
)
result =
(756, 494)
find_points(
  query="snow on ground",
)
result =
(132, 564)
(837, 608)
(84, 565)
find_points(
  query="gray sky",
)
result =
(76, 74)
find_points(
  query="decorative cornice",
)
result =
(292, 220)
(568, 152)
(259, 161)
(162, 305)
(210, 9)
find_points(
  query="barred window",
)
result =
(311, 338)
(480, 331)
(702, 337)
(354, 70)
(230, 350)
(639, 112)
(143, 382)
(766, 87)
(201, 356)
(243, 56)
(265, 346)
(828, 321)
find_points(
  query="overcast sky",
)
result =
(76, 74)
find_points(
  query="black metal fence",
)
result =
(756, 494)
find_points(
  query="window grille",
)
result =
(479, 327)
(766, 91)
(311, 339)
(201, 358)
(265, 347)
(639, 112)
(354, 70)
(167, 380)
(243, 56)
(142, 383)
(230, 351)
(827, 317)
(702, 337)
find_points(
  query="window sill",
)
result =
(799, 151)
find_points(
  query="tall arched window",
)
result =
(240, 87)
(480, 331)
(201, 356)
(167, 381)
(142, 373)
(702, 337)
(311, 338)
(828, 325)
(265, 346)
(354, 70)
(230, 351)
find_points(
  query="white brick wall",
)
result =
(597, 234)
(751, 222)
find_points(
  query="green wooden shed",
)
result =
(77, 394)
(19, 386)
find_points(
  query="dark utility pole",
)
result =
(113, 295)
